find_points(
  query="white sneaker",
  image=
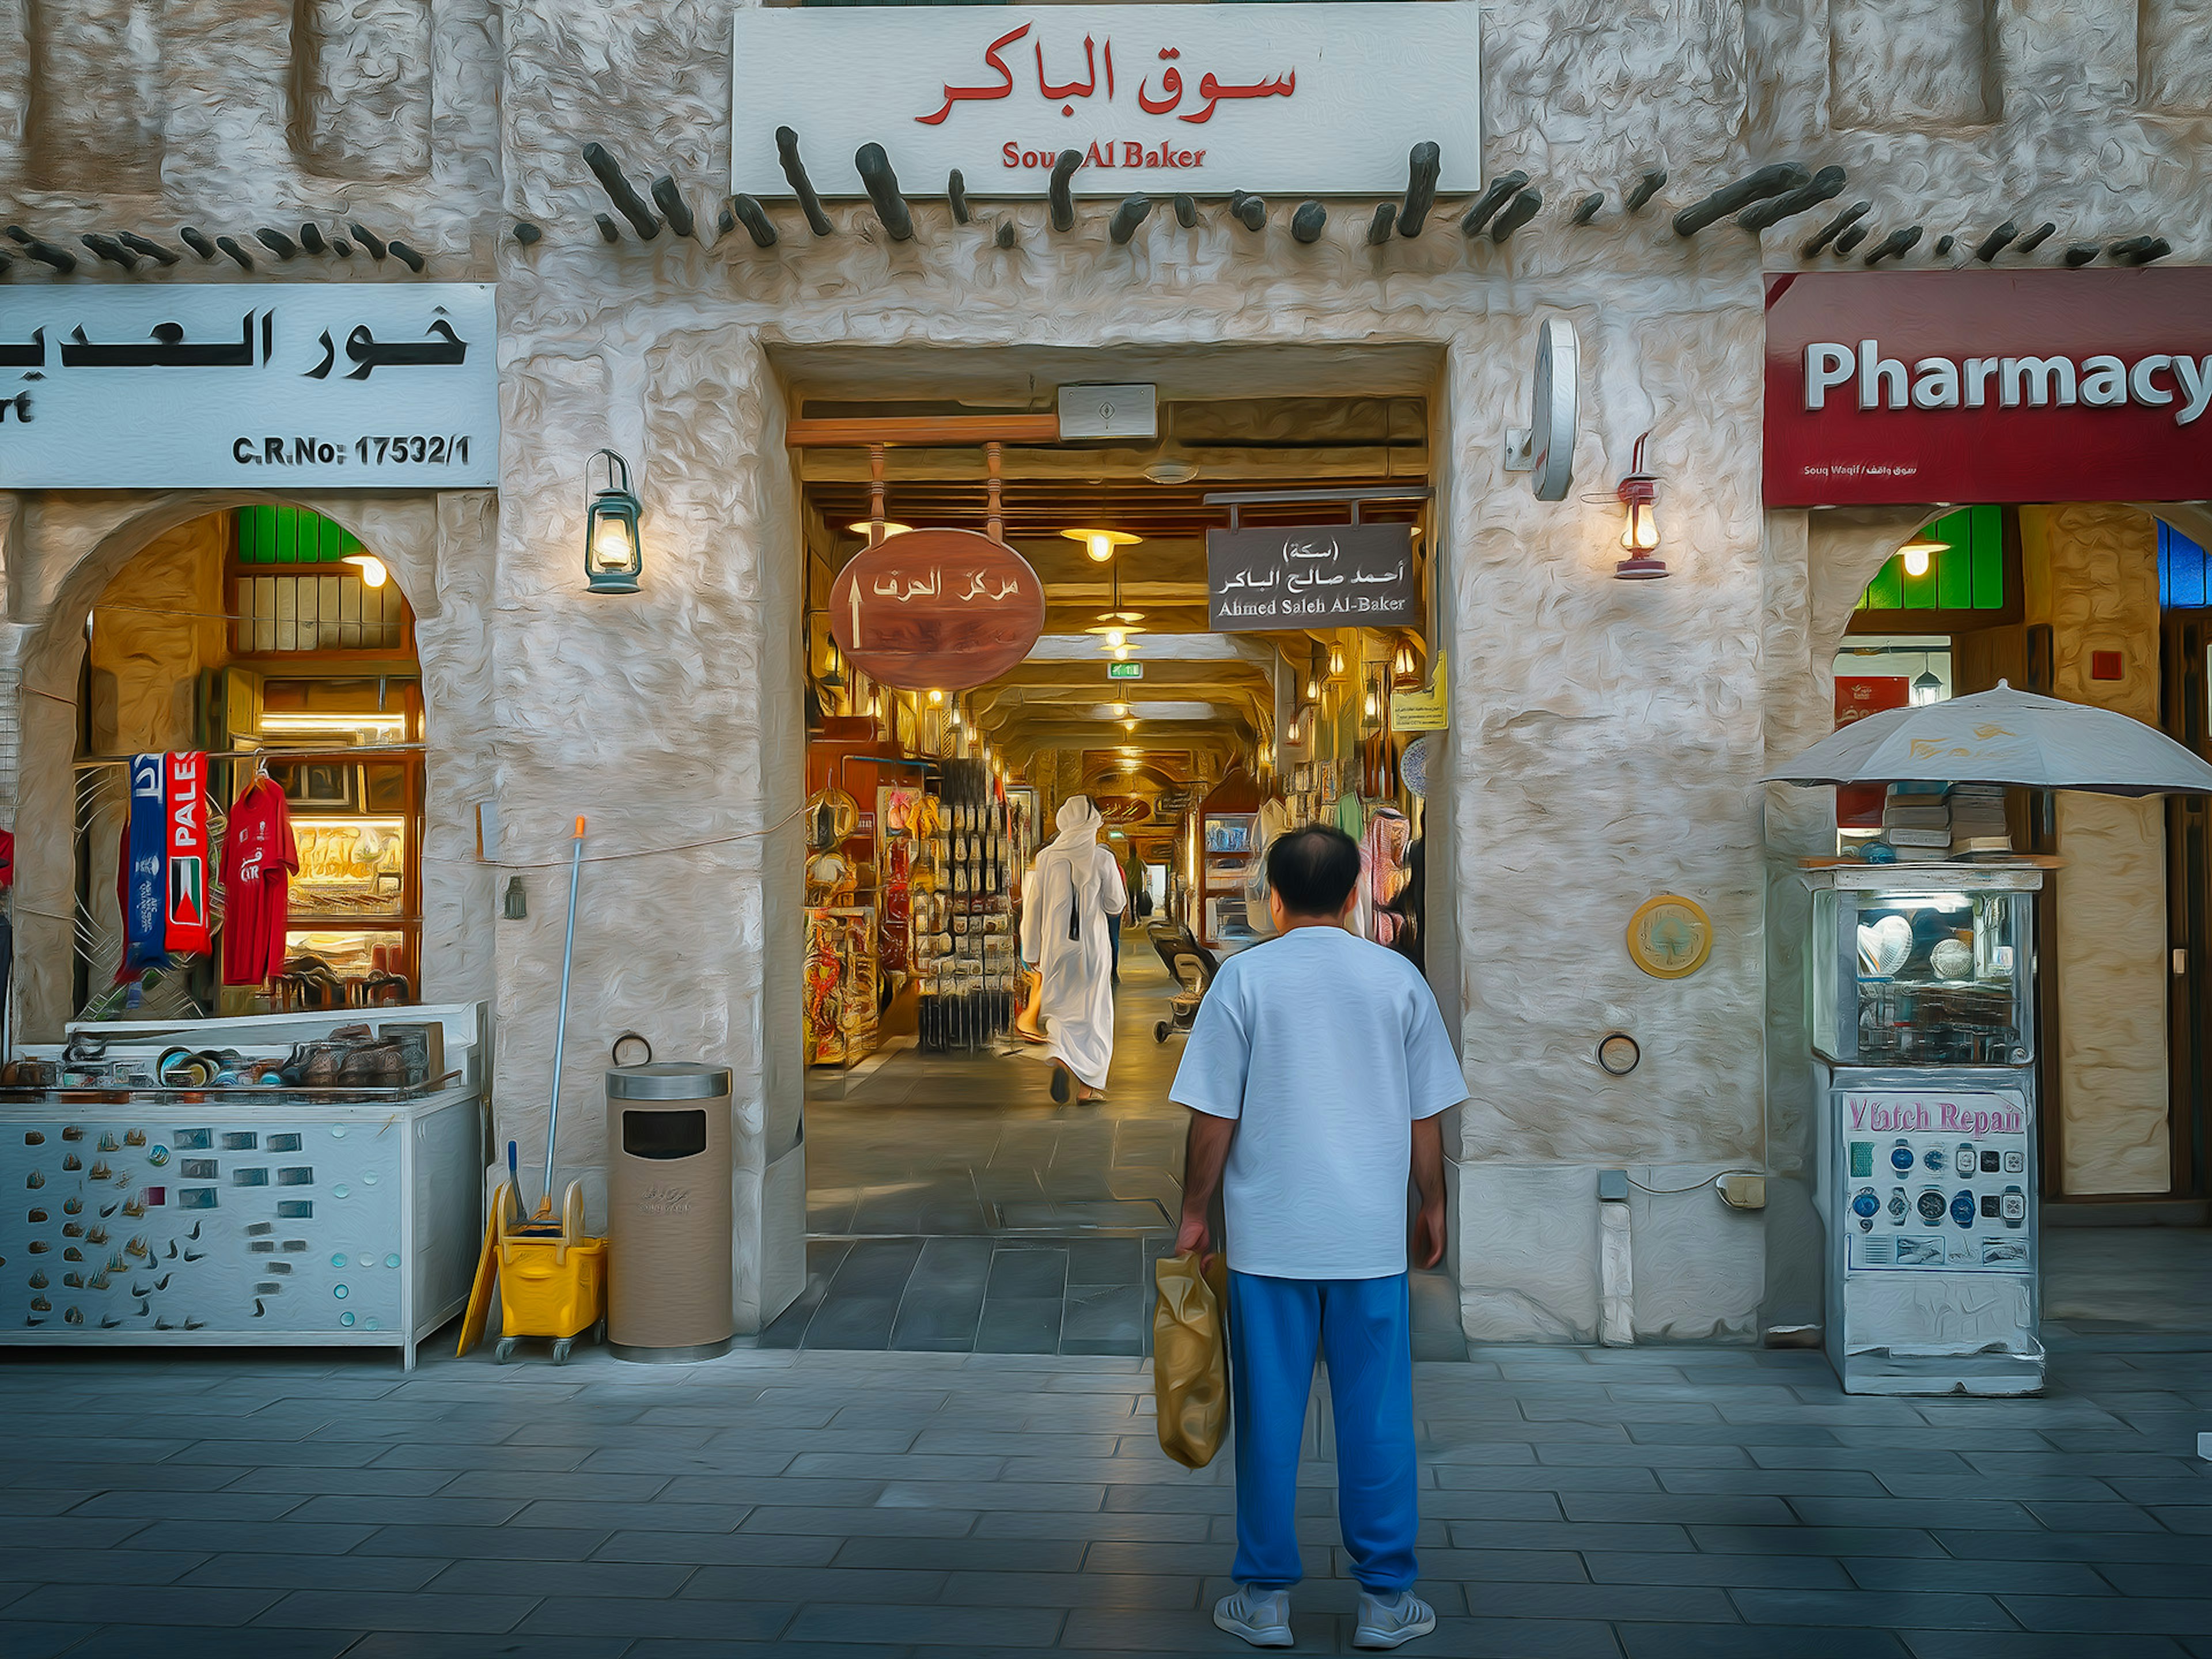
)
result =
(1261, 1617)
(1390, 1621)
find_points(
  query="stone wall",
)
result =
(1606, 736)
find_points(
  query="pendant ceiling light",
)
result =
(1918, 551)
(1116, 614)
(1100, 544)
(1336, 662)
(890, 529)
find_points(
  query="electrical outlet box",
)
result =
(1742, 1192)
(1613, 1186)
(1109, 411)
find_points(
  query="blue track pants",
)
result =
(1363, 1328)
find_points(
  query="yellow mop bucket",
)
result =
(552, 1276)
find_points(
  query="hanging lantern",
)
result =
(1639, 534)
(1405, 665)
(1927, 689)
(1370, 710)
(1915, 554)
(613, 554)
(1336, 662)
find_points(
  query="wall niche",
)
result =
(2173, 50)
(361, 87)
(1910, 64)
(96, 96)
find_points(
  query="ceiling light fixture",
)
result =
(1917, 552)
(373, 573)
(1100, 544)
(862, 529)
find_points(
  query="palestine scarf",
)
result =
(163, 888)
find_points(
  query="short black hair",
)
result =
(1314, 868)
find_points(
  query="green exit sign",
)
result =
(1125, 671)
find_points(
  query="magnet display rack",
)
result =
(967, 991)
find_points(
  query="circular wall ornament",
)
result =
(1617, 1054)
(1669, 937)
(940, 610)
(1413, 767)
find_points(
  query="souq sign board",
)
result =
(1305, 99)
(1330, 575)
(936, 609)
(1985, 385)
(328, 385)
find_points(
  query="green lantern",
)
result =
(613, 554)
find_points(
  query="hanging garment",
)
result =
(259, 858)
(142, 886)
(1380, 874)
(1274, 822)
(1065, 900)
(185, 927)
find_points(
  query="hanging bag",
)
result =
(1190, 1356)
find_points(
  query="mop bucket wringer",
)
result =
(552, 1275)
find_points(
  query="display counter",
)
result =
(251, 1215)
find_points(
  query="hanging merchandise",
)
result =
(185, 911)
(161, 887)
(259, 858)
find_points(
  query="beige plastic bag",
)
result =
(1190, 1357)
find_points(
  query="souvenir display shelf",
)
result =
(269, 1217)
(1226, 841)
(966, 943)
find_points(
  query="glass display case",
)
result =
(1225, 865)
(1918, 972)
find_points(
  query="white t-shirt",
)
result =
(1324, 1048)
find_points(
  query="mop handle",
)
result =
(561, 1027)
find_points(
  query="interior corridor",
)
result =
(953, 1208)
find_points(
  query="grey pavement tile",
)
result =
(1019, 1325)
(116, 1567)
(333, 1572)
(657, 1516)
(1780, 1483)
(1784, 1572)
(348, 1482)
(937, 1319)
(1106, 1320)
(421, 1644)
(911, 1466)
(531, 1578)
(1044, 1555)
(1956, 1510)
(2191, 1490)
(741, 1549)
(2137, 1579)
(131, 1642)
(1816, 1540)
(2196, 1522)
(1894, 1572)
(1874, 1610)
(45, 1638)
(876, 1268)
(68, 1532)
(1703, 1604)
(1754, 1642)
(838, 1583)
(1688, 1509)
(2137, 1614)
(146, 1604)
(508, 1543)
(678, 1647)
(1107, 1261)
(1474, 1567)
(1140, 1592)
(210, 1537)
(640, 1617)
(436, 1511)
(928, 1626)
(190, 1505)
(1097, 1525)
(385, 1610)
(1646, 1455)
(777, 1520)
(1542, 1476)
(2094, 1517)
(2018, 1644)
(717, 1491)
(852, 1321)
(566, 1485)
(2142, 1546)
(1019, 1272)
(1563, 1535)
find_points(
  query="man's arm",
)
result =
(1204, 1155)
(1429, 1180)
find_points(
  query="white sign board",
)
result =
(1287, 100)
(336, 385)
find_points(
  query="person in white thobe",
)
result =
(1069, 890)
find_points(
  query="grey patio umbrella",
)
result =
(2003, 736)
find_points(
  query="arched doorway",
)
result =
(2105, 604)
(266, 637)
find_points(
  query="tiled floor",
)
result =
(1638, 1503)
(955, 1209)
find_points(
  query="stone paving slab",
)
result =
(896, 1505)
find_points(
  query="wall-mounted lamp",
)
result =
(936, 698)
(1639, 536)
(1336, 662)
(1313, 688)
(613, 554)
(1370, 710)
(1405, 665)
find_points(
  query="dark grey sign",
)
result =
(1330, 575)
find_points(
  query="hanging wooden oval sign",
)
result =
(936, 609)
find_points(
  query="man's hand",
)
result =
(1429, 1234)
(1204, 1155)
(1192, 1237)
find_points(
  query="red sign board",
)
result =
(1858, 805)
(942, 609)
(1988, 385)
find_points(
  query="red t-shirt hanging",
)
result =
(260, 860)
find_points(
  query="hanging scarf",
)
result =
(1378, 872)
(144, 888)
(185, 917)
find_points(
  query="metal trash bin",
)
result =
(669, 1217)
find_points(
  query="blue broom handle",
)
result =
(561, 1028)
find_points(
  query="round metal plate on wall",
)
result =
(1669, 937)
(1617, 1054)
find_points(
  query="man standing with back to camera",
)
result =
(1315, 1075)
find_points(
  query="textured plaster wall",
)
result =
(2099, 591)
(1606, 736)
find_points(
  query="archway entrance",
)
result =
(271, 640)
(953, 1203)
(2109, 605)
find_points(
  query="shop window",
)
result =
(343, 599)
(2184, 572)
(1967, 573)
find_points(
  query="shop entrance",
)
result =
(952, 1202)
(2104, 605)
(269, 640)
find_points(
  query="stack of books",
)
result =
(1916, 820)
(1978, 820)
